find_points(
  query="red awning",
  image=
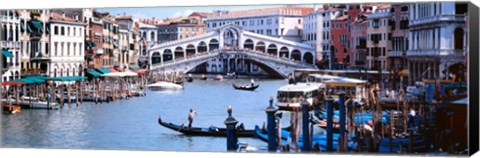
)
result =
(141, 72)
(12, 83)
(113, 70)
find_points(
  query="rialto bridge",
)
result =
(277, 57)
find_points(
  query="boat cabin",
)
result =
(291, 96)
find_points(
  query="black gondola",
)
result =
(245, 87)
(189, 79)
(212, 131)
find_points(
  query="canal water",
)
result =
(132, 124)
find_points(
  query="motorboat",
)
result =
(164, 86)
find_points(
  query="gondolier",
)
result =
(191, 115)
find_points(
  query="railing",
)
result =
(436, 53)
(395, 53)
(246, 52)
(10, 44)
(438, 18)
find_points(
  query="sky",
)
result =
(171, 12)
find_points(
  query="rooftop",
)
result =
(295, 11)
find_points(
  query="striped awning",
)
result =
(94, 73)
(104, 70)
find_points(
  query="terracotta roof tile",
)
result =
(59, 17)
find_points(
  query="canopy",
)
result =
(12, 83)
(120, 74)
(141, 72)
(67, 78)
(31, 79)
(37, 24)
(112, 70)
(104, 70)
(7, 53)
(94, 73)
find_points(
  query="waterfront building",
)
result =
(317, 29)
(110, 41)
(397, 60)
(378, 36)
(67, 40)
(93, 39)
(10, 43)
(180, 28)
(437, 41)
(358, 42)
(35, 42)
(129, 46)
(148, 36)
(339, 42)
(283, 22)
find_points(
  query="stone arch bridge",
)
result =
(276, 56)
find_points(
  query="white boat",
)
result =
(35, 103)
(164, 86)
(292, 95)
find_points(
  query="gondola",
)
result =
(189, 79)
(211, 131)
(245, 87)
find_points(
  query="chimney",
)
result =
(63, 15)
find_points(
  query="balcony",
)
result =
(438, 18)
(31, 72)
(379, 15)
(443, 52)
(395, 53)
(10, 44)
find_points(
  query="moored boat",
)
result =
(11, 109)
(164, 86)
(211, 131)
(219, 78)
(245, 87)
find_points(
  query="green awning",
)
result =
(87, 44)
(94, 73)
(115, 43)
(104, 70)
(67, 78)
(32, 79)
(29, 29)
(22, 26)
(37, 24)
(93, 44)
(7, 53)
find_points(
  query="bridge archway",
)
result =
(260, 46)
(213, 44)
(284, 52)
(272, 50)
(156, 58)
(179, 53)
(308, 58)
(167, 55)
(217, 68)
(230, 37)
(202, 47)
(296, 55)
(248, 44)
(190, 50)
